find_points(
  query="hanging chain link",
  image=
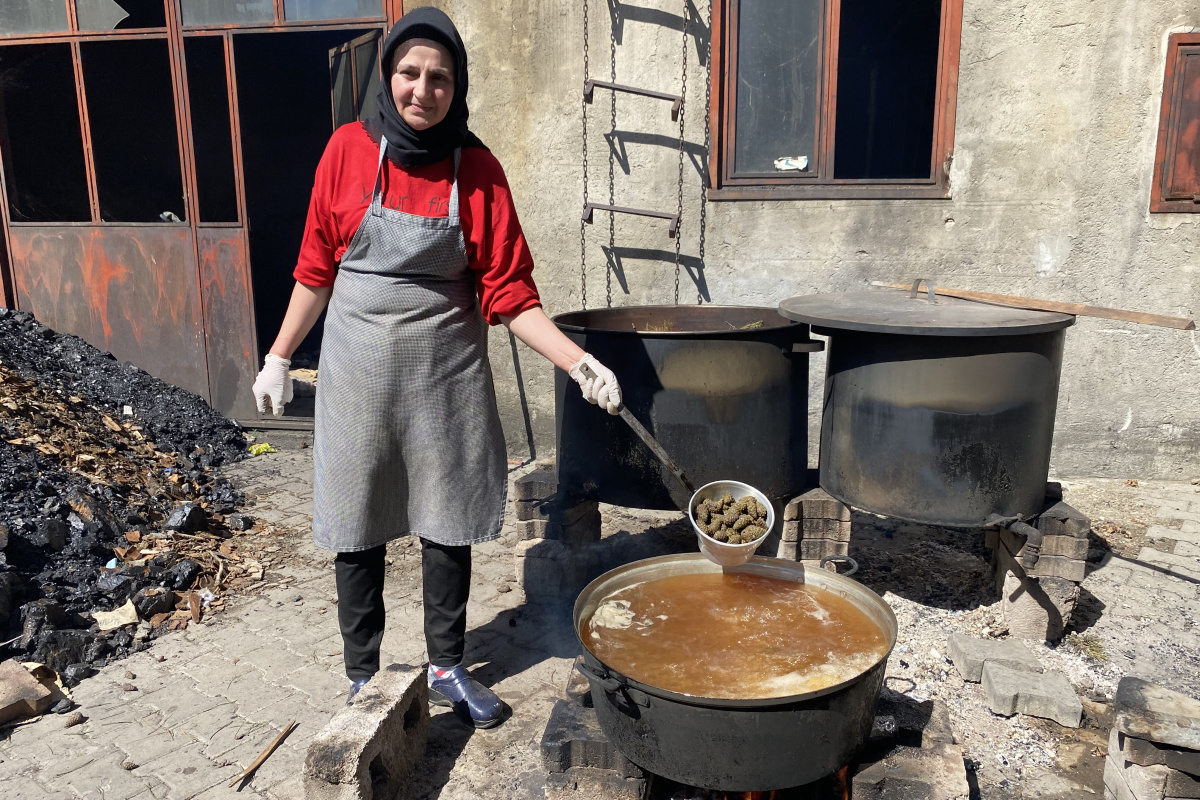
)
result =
(682, 119)
(610, 264)
(582, 224)
(704, 173)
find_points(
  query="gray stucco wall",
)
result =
(1054, 149)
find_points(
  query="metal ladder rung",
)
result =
(672, 230)
(590, 85)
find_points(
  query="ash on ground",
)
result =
(107, 496)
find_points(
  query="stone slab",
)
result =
(1147, 754)
(970, 654)
(588, 783)
(573, 738)
(815, 504)
(1160, 532)
(1048, 565)
(371, 746)
(1115, 787)
(1048, 695)
(1148, 711)
(21, 694)
(1061, 519)
(1033, 608)
(935, 773)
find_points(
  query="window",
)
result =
(227, 12)
(1176, 184)
(833, 98)
(212, 134)
(354, 75)
(331, 9)
(40, 136)
(109, 15)
(32, 16)
(135, 143)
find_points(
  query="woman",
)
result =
(413, 242)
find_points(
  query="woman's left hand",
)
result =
(603, 389)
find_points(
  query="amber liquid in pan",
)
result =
(733, 636)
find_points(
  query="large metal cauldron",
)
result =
(734, 745)
(724, 389)
(937, 410)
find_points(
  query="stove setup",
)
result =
(936, 411)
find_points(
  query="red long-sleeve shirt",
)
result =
(496, 247)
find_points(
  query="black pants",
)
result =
(446, 583)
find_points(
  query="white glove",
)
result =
(273, 384)
(603, 390)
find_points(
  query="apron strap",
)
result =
(377, 192)
(452, 212)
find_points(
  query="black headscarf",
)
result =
(406, 146)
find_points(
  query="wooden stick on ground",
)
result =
(1078, 309)
(265, 754)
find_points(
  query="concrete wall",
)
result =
(1054, 149)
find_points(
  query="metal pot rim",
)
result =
(734, 333)
(759, 565)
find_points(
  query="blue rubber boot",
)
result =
(473, 702)
(355, 688)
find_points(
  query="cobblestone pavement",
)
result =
(207, 700)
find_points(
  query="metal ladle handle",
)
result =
(916, 289)
(645, 436)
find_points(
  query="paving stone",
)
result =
(1115, 787)
(369, 747)
(1147, 711)
(1182, 785)
(1048, 695)
(1160, 532)
(970, 654)
(935, 773)
(1062, 519)
(588, 783)
(106, 779)
(1146, 753)
(318, 683)
(816, 503)
(1033, 608)
(550, 571)
(816, 549)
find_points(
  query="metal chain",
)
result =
(582, 224)
(612, 192)
(682, 118)
(707, 152)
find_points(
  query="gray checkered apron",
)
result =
(407, 437)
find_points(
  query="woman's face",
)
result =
(422, 82)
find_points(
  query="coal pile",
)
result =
(172, 418)
(99, 512)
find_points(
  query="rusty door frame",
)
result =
(174, 34)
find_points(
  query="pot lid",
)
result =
(890, 311)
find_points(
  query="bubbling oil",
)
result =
(735, 636)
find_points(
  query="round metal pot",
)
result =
(734, 745)
(724, 389)
(936, 410)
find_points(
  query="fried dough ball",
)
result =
(742, 522)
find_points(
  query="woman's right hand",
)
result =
(273, 385)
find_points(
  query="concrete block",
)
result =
(819, 548)
(573, 739)
(1061, 519)
(923, 724)
(826, 529)
(370, 747)
(1145, 783)
(552, 571)
(936, 773)
(538, 484)
(21, 694)
(1048, 565)
(815, 504)
(1181, 785)
(536, 529)
(969, 655)
(588, 783)
(578, 690)
(1033, 608)
(791, 531)
(1066, 547)
(1147, 711)
(1115, 787)
(789, 551)
(1048, 695)
(1146, 753)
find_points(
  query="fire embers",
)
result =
(732, 521)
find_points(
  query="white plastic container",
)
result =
(722, 553)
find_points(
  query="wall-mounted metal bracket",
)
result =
(672, 229)
(590, 85)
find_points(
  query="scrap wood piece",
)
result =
(1078, 309)
(265, 754)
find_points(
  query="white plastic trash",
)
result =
(721, 553)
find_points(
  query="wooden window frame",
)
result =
(821, 185)
(1166, 150)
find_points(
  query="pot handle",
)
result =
(841, 560)
(611, 685)
(605, 681)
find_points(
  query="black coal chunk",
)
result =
(239, 522)
(187, 518)
(153, 600)
(181, 575)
